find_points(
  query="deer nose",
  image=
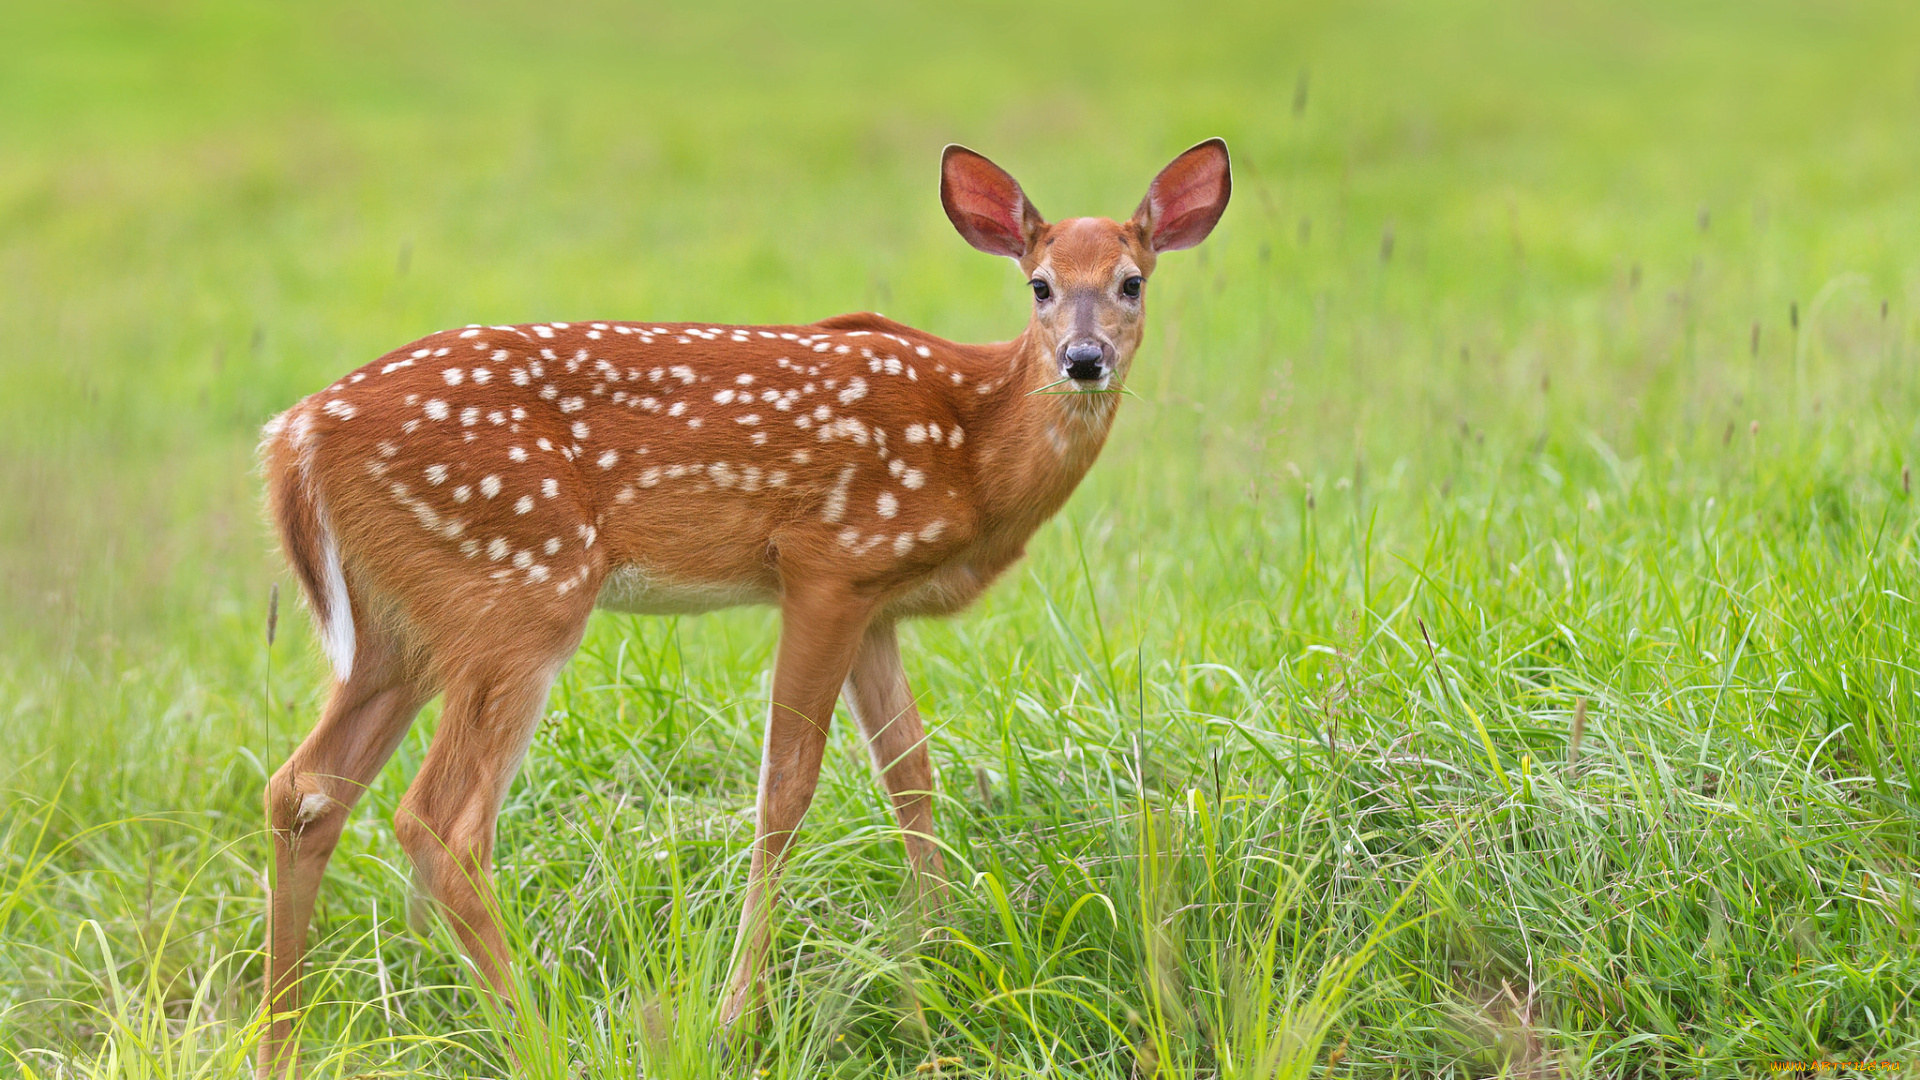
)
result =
(1083, 361)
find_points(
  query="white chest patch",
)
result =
(638, 590)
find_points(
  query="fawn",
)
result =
(456, 509)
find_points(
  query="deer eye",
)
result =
(1130, 288)
(1041, 290)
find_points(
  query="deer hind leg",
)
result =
(820, 630)
(882, 703)
(308, 801)
(446, 819)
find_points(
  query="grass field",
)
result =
(1487, 646)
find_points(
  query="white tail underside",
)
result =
(336, 632)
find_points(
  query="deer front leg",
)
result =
(883, 704)
(820, 629)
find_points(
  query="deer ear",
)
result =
(986, 204)
(1187, 198)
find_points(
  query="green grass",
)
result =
(1550, 361)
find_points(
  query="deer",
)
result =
(455, 511)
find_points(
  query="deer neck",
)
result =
(1039, 439)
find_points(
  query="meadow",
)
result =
(1486, 647)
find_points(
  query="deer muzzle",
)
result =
(1085, 361)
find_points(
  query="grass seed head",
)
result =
(1578, 732)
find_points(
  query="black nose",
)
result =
(1083, 361)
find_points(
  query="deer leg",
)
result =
(446, 819)
(820, 630)
(883, 705)
(308, 800)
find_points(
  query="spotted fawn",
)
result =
(456, 509)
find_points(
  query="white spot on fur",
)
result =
(836, 506)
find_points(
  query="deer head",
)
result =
(1088, 275)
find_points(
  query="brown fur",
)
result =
(480, 490)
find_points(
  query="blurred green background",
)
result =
(1550, 357)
